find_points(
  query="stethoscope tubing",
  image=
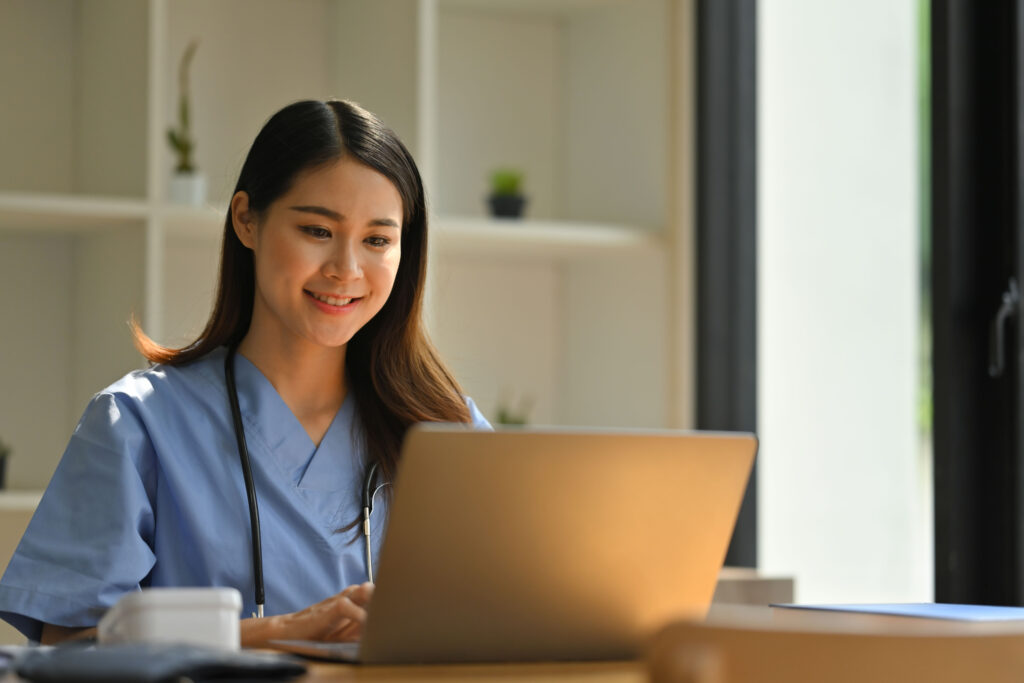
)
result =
(250, 490)
(250, 487)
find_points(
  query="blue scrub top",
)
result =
(150, 493)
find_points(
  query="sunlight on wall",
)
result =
(844, 497)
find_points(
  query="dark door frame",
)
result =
(976, 209)
(727, 235)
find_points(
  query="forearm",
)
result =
(52, 634)
(253, 632)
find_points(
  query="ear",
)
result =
(243, 219)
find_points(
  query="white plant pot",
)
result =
(188, 189)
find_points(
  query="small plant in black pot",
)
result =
(507, 200)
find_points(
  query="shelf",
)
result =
(535, 238)
(20, 500)
(535, 7)
(37, 212)
(193, 222)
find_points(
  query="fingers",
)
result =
(360, 594)
(339, 617)
(344, 607)
(346, 617)
(349, 612)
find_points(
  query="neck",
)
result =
(309, 378)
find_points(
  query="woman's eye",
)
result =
(317, 231)
(378, 241)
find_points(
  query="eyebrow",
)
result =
(335, 216)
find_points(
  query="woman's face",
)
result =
(326, 253)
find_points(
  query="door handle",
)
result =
(996, 348)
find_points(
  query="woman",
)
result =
(317, 326)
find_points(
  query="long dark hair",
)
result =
(393, 371)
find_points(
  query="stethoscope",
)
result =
(250, 490)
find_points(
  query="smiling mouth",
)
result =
(331, 300)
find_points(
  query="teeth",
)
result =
(330, 300)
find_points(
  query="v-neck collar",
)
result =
(269, 421)
(334, 465)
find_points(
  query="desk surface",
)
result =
(581, 672)
(568, 672)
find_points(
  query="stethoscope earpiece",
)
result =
(371, 475)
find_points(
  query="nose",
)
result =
(343, 262)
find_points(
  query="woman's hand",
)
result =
(338, 618)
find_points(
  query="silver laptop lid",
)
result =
(551, 544)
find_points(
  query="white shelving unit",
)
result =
(577, 307)
(66, 213)
(538, 239)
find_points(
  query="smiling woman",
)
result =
(326, 255)
(317, 314)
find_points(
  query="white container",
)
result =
(195, 616)
(188, 189)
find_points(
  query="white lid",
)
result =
(188, 598)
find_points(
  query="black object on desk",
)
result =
(151, 663)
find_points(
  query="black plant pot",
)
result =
(507, 205)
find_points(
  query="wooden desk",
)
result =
(569, 672)
(574, 672)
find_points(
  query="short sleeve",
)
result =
(90, 540)
(477, 418)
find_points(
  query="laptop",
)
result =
(547, 544)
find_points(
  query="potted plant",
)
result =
(188, 185)
(506, 199)
(518, 416)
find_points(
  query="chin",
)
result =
(331, 341)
